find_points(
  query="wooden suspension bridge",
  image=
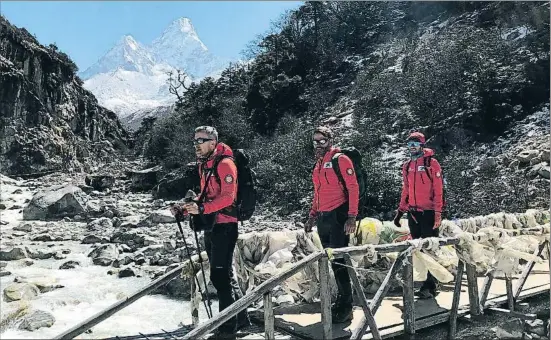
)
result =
(382, 316)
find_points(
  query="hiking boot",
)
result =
(424, 294)
(243, 320)
(341, 314)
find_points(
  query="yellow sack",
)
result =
(369, 231)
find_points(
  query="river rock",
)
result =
(43, 238)
(100, 224)
(104, 255)
(20, 291)
(545, 155)
(100, 182)
(59, 255)
(130, 222)
(543, 171)
(4, 273)
(37, 319)
(535, 326)
(127, 272)
(91, 239)
(527, 155)
(40, 254)
(13, 254)
(133, 239)
(56, 202)
(511, 329)
(156, 217)
(24, 226)
(44, 284)
(12, 312)
(69, 265)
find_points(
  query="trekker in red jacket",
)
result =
(422, 198)
(334, 207)
(216, 214)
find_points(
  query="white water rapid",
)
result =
(88, 290)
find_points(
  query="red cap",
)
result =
(417, 136)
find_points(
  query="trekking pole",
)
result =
(201, 263)
(207, 309)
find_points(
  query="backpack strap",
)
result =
(427, 160)
(214, 167)
(337, 169)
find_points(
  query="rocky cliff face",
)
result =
(48, 121)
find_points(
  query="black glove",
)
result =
(399, 215)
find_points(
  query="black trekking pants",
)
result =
(332, 235)
(219, 245)
(421, 225)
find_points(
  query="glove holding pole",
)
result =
(397, 218)
(179, 212)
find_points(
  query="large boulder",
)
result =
(104, 255)
(56, 202)
(143, 180)
(175, 184)
(37, 319)
(13, 254)
(20, 291)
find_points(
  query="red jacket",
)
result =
(418, 191)
(223, 195)
(329, 193)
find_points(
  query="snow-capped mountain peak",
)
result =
(184, 25)
(127, 54)
(129, 41)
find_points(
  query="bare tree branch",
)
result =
(177, 86)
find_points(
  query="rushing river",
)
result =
(88, 289)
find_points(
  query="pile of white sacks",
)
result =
(485, 241)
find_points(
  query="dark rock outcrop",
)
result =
(175, 184)
(48, 121)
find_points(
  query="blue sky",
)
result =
(85, 30)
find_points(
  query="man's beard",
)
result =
(320, 152)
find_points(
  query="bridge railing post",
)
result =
(408, 296)
(194, 303)
(325, 298)
(269, 318)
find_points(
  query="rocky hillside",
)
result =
(470, 75)
(48, 121)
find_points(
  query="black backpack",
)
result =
(361, 176)
(427, 161)
(246, 184)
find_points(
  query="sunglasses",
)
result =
(201, 140)
(320, 141)
(415, 144)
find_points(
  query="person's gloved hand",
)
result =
(177, 210)
(397, 218)
(437, 220)
(310, 224)
(350, 226)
